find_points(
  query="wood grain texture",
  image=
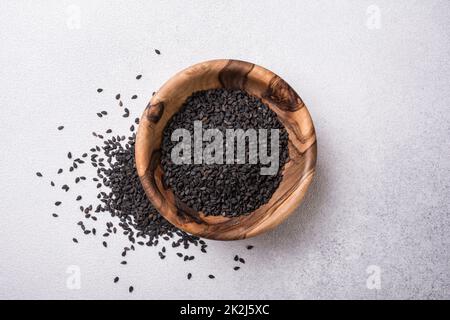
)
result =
(274, 92)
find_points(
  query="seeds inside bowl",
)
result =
(223, 152)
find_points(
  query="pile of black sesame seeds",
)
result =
(222, 189)
(121, 196)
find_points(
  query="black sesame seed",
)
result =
(39, 174)
(211, 276)
(60, 128)
(99, 90)
(157, 51)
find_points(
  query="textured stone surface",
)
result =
(379, 99)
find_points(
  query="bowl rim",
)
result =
(142, 167)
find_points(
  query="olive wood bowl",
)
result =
(278, 96)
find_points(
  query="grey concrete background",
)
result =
(378, 96)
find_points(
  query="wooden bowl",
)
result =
(278, 96)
